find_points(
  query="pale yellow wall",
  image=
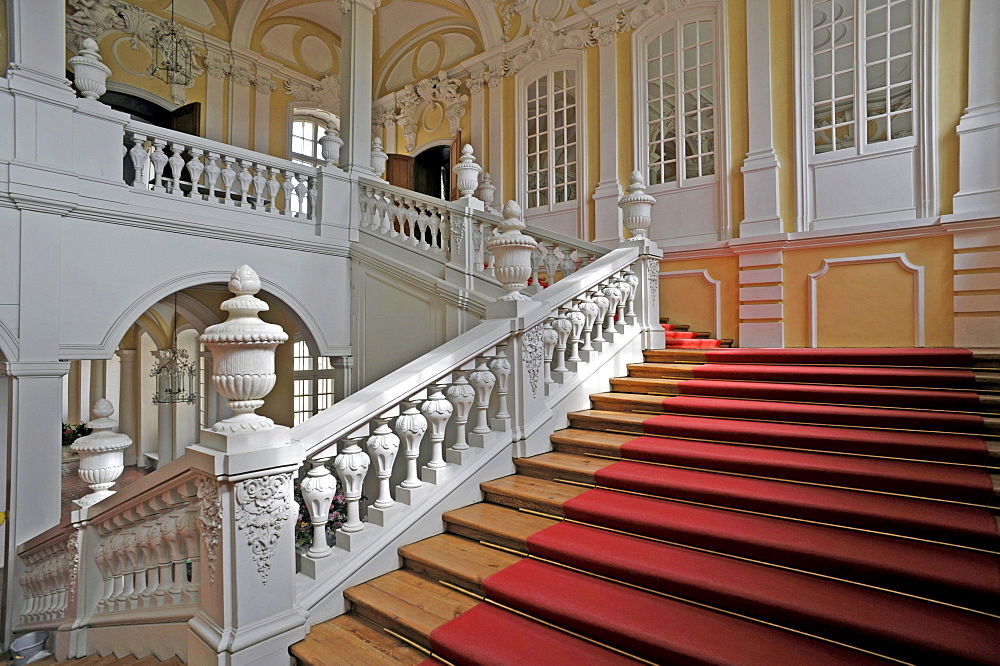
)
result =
(509, 140)
(691, 300)
(870, 305)
(953, 77)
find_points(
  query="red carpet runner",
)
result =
(739, 528)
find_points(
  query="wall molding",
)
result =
(716, 290)
(919, 328)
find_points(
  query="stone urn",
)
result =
(101, 454)
(512, 253)
(242, 350)
(637, 207)
(487, 191)
(468, 172)
(379, 158)
(90, 74)
(330, 144)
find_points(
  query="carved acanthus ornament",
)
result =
(653, 275)
(262, 507)
(73, 559)
(326, 93)
(346, 5)
(532, 356)
(209, 519)
(439, 89)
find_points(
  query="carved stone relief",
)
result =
(262, 507)
(210, 520)
(532, 356)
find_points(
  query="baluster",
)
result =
(313, 194)
(551, 263)
(410, 426)
(286, 187)
(259, 186)
(177, 556)
(625, 288)
(195, 169)
(536, 262)
(562, 326)
(302, 191)
(567, 265)
(479, 243)
(212, 173)
(577, 321)
(460, 394)
(434, 225)
(145, 562)
(244, 179)
(590, 312)
(437, 410)
(614, 297)
(633, 281)
(101, 560)
(487, 254)
(318, 488)
(404, 215)
(120, 563)
(500, 367)
(163, 563)
(482, 381)
(176, 163)
(603, 305)
(425, 223)
(137, 153)
(192, 546)
(272, 189)
(228, 178)
(365, 201)
(444, 226)
(152, 565)
(549, 341)
(137, 575)
(383, 445)
(159, 160)
(351, 466)
(382, 205)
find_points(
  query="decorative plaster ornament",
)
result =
(242, 350)
(262, 506)
(101, 454)
(533, 358)
(512, 253)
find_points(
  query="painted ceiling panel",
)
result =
(400, 18)
(325, 14)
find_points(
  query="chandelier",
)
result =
(176, 375)
(172, 52)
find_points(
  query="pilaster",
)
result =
(607, 215)
(494, 162)
(761, 296)
(357, 38)
(976, 285)
(127, 402)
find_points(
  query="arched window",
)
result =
(313, 381)
(305, 131)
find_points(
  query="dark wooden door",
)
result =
(456, 152)
(399, 171)
(187, 119)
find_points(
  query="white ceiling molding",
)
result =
(246, 20)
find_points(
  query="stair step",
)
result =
(408, 603)
(960, 449)
(861, 357)
(911, 517)
(952, 483)
(497, 524)
(962, 577)
(455, 560)
(351, 641)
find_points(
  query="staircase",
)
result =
(680, 336)
(721, 506)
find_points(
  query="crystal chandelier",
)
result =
(176, 375)
(172, 52)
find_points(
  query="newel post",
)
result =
(246, 511)
(645, 299)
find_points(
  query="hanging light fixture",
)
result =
(172, 52)
(176, 375)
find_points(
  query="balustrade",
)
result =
(195, 169)
(410, 220)
(48, 580)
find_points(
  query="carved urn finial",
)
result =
(512, 253)
(242, 350)
(101, 454)
(90, 74)
(636, 207)
(379, 158)
(468, 172)
(487, 191)
(330, 144)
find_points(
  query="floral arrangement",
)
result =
(303, 528)
(73, 431)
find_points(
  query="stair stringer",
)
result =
(322, 597)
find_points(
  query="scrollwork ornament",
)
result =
(73, 559)
(653, 276)
(209, 520)
(262, 506)
(532, 356)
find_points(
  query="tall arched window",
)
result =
(313, 381)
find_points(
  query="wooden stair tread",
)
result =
(456, 560)
(497, 524)
(559, 465)
(645, 385)
(582, 441)
(351, 641)
(661, 370)
(528, 493)
(598, 419)
(614, 401)
(408, 603)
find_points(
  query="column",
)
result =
(264, 86)
(215, 83)
(127, 401)
(979, 129)
(37, 42)
(73, 391)
(477, 106)
(343, 378)
(164, 433)
(760, 168)
(607, 215)
(98, 380)
(240, 80)
(494, 162)
(357, 39)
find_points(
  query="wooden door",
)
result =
(399, 171)
(187, 119)
(456, 152)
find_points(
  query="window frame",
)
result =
(313, 375)
(565, 61)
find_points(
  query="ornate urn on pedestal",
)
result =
(90, 75)
(512, 254)
(468, 172)
(101, 454)
(330, 144)
(379, 158)
(242, 350)
(636, 207)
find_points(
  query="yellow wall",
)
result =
(691, 299)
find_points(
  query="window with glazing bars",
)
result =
(312, 382)
(874, 101)
(552, 139)
(693, 146)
